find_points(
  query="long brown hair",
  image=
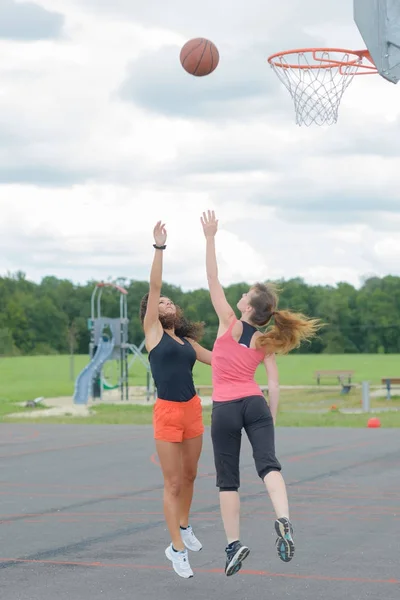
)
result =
(290, 329)
(182, 326)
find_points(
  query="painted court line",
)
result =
(74, 446)
(9, 437)
(216, 571)
(299, 457)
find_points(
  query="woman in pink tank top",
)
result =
(238, 402)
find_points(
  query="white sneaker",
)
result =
(190, 540)
(180, 562)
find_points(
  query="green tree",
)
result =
(37, 317)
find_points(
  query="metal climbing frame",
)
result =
(119, 329)
(102, 349)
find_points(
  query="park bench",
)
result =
(340, 375)
(389, 381)
(204, 390)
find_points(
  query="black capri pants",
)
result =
(228, 419)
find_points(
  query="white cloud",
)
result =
(387, 252)
(330, 275)
(86, 172)
(28, 21)
(349, 235)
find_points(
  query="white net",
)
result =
(316, 81)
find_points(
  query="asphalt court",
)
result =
(81, 517)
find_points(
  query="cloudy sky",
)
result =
(102, 133)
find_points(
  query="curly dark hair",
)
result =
(183, 327)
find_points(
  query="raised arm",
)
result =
(202, 354)
(273, 384)
(221, 306)
(151, 323)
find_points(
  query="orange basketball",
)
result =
(199, 57)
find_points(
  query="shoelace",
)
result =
(184, 562)
(231, 554)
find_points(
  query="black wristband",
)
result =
(159, 247)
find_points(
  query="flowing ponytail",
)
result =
(290, 329)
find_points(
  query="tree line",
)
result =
(51, 317)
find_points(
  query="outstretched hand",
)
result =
(160, 234)
(210, 223)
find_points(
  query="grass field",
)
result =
(290, 415)
(26, 378)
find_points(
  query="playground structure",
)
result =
(109, 341)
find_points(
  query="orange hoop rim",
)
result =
(327, 63)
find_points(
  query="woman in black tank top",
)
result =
(172, 344)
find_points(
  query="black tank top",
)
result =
(171, 365)
(247, 334)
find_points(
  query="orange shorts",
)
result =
(177, 421)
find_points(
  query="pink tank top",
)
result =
(233, 368)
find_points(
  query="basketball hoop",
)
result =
(317, 79)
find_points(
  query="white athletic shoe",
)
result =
(190, 540)
(180, 562)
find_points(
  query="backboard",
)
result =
(379, 24)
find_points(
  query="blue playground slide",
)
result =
(85, 378)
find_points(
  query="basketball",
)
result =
(199, 57)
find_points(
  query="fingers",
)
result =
(160, 233)
(160, 226)
(208, 217)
